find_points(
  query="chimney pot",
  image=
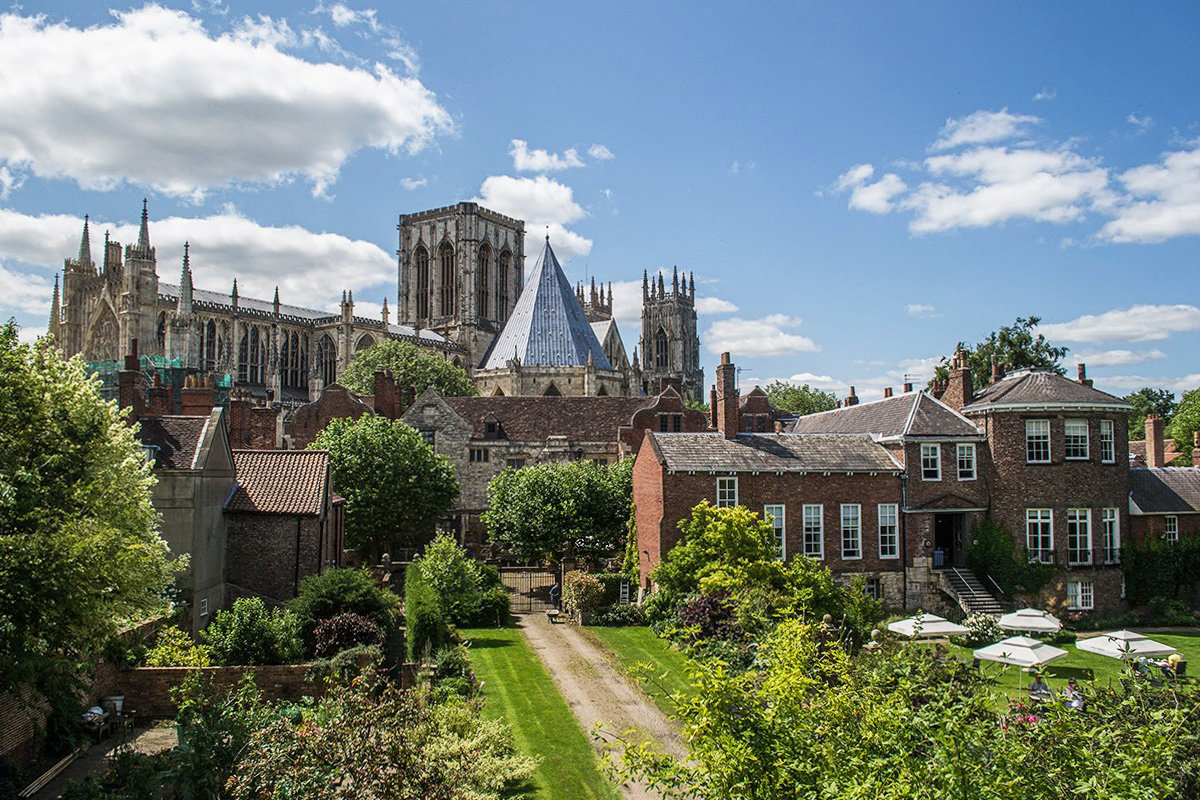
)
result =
(1082, 371)
(887, 392)
(907, 388)
(852, 399)
(1154, 441)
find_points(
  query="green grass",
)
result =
(637, 645)
(1080, 665)
(519, 690)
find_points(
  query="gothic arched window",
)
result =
(208, 346)
(254, 372)
(662, 350)
(162, 333)
(326, 360)
(448, 294)
(243, 358)
(502, 286)
(364, 342)
(421, 258)
(481, 282)
(285, 355)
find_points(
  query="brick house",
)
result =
(484, 435)
(284, 522)
(1164, 501)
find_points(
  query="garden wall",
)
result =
(147, 690)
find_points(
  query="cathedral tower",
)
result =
(670, 346)
(462, 268)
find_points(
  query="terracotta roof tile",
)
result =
(280, 481)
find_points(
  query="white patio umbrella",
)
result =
(1021, 651)
(1031, 620)
(926, 625)
(1124, 644)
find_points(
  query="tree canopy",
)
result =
(1184, 424)
(1147, 401)
(410, 366)
(80, 549)
(799, 399)
(577, 509)
(1015, 346)
(396, 487)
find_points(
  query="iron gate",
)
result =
(528, 588)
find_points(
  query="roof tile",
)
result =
(773, 452)
(280, 481)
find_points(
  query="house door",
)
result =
(948, 547)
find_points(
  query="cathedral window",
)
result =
(421, 257)
(502, 286)
(254, 370)
(662, 350)
(243, 359)
(327, 360)
(448, 285)
(364, 342)
(208, 346)
(162, 333)
(481, 282)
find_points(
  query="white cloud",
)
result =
(310, 268)
(920, 310)
(917, 371)
(741, 166)
(165, 104)
(23, 292)
(413, 183)
(30, 335)
(1108, 358)
(767, 336)
(1164, 200)
(714, 305)
(866, 196)
(823, 382)
(1045, 94)
(982, 127)
(1142, 123)
(600, 152)
(526, 160)
(1122, 384)
(9, 181)
(1141, 323)
(546, 205)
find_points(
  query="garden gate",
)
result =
(528, 588)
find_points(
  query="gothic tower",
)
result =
(670, 346)
(462, 268)
(138, 298)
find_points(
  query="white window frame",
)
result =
(851, 531)
(934, 450)
(810, 513)
(724, 482)
(1044, 536)
(1072, 442)
(1108, 442)
(889, 530)
(1037, 430)
(203, 607)
(1081, 595)
(1110, 524)
(967, 449)
(1171, 528)
(1079, 536)
(776, 517)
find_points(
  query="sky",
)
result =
(856, 186)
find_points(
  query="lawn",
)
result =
(1080, 665)
(519, 690)
(635, 645)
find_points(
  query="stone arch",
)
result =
(483, 281)
(421, 267)
(161, 332)
(103, 333)
(364, 341)
(662, 349)
(447, 281)
(503, 279)
(208, 346)
(497, 392)
(326, 360)
(602, 392)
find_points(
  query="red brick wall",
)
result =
(949, 492)
(19, 724)
(1146, 527)
(653, 534)
(648, 419)
(261, 554)
(147, 690)
(335, 402)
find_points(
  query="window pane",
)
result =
(966, 461)
(931, 462)
(1076, 438)
(776, 516)
(1037, 440)
(726, 492)
(889, 531)
(851, 531)
(1079, 536)
(1108, 446)
(1039, 534)
(1112, 536)
(814, 531)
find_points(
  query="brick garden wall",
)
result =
(147, 690)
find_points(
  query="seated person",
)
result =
(1072, 697)
(1039, 690)
(1178, 664)
(941, 653)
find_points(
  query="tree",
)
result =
(1184, 425)
(799, 399)
(411, 366)
(1147, 401)
(80, 549)
(396, 487)
(469, 591)
(1014, 346)
(577, 509)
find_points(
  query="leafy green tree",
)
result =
(411, 366)
(396, 487)
(1015, 346)
(799, 399)
(469, 591)
(577, 509)
(341, 590)
(80, 549)
(248, 633)
(1147, 401)
(1184, 425)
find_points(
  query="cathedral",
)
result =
(462, 295)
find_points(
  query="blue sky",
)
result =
(856, 186)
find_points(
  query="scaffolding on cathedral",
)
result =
(159, 371)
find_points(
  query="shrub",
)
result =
(175, 648)
(453, 676)
(344, 631)
(982, 629)
(612, 586)
(469, 592)
(346, 665)
(337, 590)
(215, 727)
(710, 616)
(249, 634)
(619, 615)
(424, 617)
(584, 593)
(1061, 636)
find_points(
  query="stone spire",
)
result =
(184, 307)
(55, 311)
(143, 242)
(662, 289)
(234, 295)
(692, 285)
(85, 247)
(645, 285)
(385, 314)
(675, 282)
(276, 302)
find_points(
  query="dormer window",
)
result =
(491, 429)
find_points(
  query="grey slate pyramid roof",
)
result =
(1038, 387)
(911, 414)
(548, 327)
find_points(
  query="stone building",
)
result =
(239, 343)
(670, 345)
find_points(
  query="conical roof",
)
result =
(548, 327)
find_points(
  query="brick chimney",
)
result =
(997, 371)
(196, 398)
(131, 384)
(667, 380)
(1082, 372)
(1196, 448)
(887, 392)
(960, 389)
(1154, 441)
(712, 406)
(852, 398)
(727, 398)
(387, 395)
(907, 387)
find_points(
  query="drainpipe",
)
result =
(904, 532)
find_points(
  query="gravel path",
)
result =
(598, 691)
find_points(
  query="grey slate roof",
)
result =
(1165, 490)
(548, 327)
(910, 414)
(772, 452)
(1037, 387)
(175, 439)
